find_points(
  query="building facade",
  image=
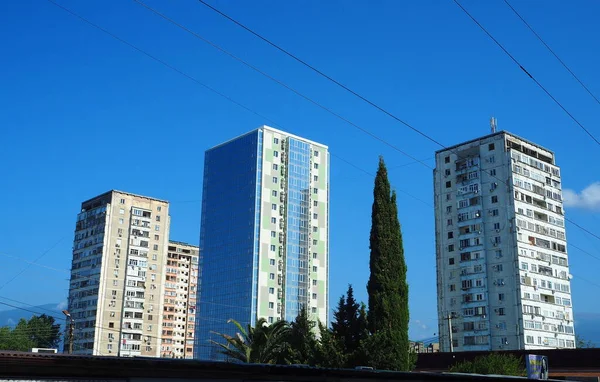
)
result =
(502, 266)
(264, 233)
(179, 310)
(117, 273)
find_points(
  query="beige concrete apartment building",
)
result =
(118, 275)
(179, 310)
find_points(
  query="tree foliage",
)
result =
(259, 344)
(493, 363)
(37, 332)
(388, 315)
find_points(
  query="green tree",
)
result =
(493, 363)
(37, 332)
(329, 349)
(259, 344)
(350, 328)
(582, 343)
(387, 287)
(301, 340)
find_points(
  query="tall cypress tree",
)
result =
(388, 290)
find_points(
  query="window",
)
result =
(273, 234)
(121, 211)
(275, 153)
(315, 190)
(274, 207)
(451, 248)
(494, 212)
(529, 339)
(270, 320)
(314, 255)
(315, 203)
(448, 209)
(272, 276)
(111, 324)
(155, 247)
(271, 305)
(496, 226)
(315, 178)
(314, 282)
(156, 237)
(157, 218)
(447, 159)
(276, 140)
(316, 153)
(492, 159)
(271, 290)
(157, 227)
(447, 172)
(315, 216)
(316, 166)
(275, 166)
(450, 235)
(154, 256)
(274, 193)
(448, 184)
(499, 268)
(493, 172)
(115, 282)
(158, 208)
(314, 309)
(272, 248)
(274, 179)
(121, 221)
(314, 296)
(449, 221)
(451, 261)
(524, 266)
(122, 201)
(501, 297)
(501, 312)
(272, 261)
(314, 268)
(315, 241)
(495, 199)
(452, 287)
(274, 220)
(491, 147)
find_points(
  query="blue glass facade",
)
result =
(298, 228)
(228, 240)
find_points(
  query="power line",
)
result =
(28, 266)
(293, 90)
(553, 53)
(314, 69)
(527, 73)
(164, 63)
(363, 98)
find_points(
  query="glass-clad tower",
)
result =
(264, 237)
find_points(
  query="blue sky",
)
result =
(81, 113)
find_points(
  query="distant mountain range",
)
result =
(587, 325)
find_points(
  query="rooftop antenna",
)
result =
(493, 124)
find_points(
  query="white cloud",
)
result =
(62, 305)
(588, 198)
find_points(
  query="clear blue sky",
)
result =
(81, 113)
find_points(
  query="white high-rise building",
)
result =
(264, 236)
(502, 266)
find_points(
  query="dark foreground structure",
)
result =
(29, 367)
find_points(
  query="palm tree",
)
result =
(259, 344)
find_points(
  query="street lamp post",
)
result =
(71, 329)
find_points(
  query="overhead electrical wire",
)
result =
(589, 133)
(552, 51)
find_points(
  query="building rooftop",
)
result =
(265, 127)
(182, 243)
(124, 193)
(501, 132)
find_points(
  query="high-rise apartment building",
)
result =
(179, 310)
(264, 233)
(117, 276)
(502, 266)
